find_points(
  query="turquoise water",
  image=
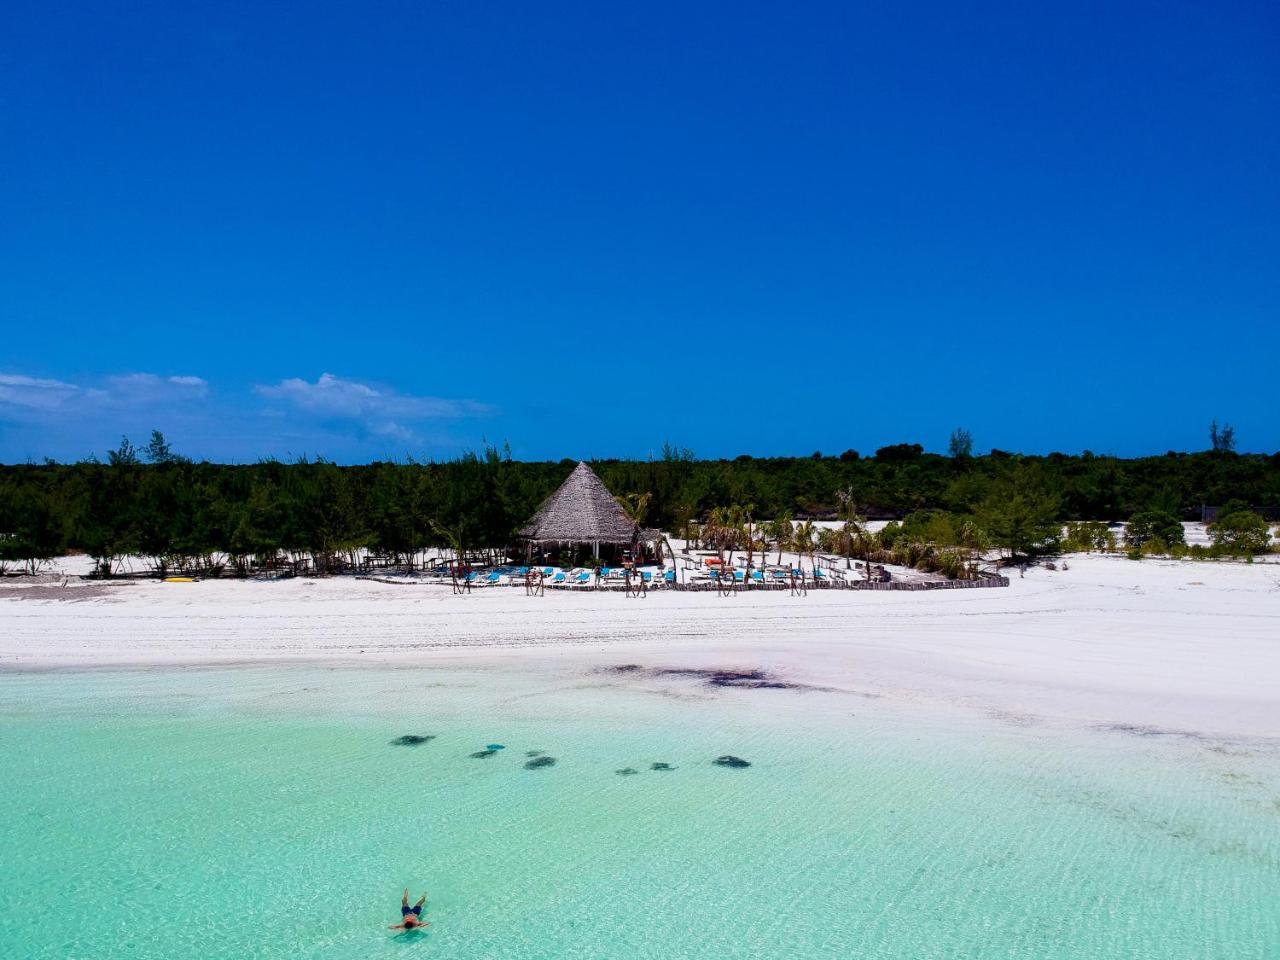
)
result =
(264, 813)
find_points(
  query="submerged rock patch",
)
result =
(661, 766)
(712, 677)
(533, 753)
(627, 772)
(750, 679)
(481, 754)
(412, 739)
(537, 763)
(729, 760)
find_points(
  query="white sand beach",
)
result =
(1171, 646)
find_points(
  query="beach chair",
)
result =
(493, 578)
(757, 577)
(670, 578)
(558, 579)
(582, 579)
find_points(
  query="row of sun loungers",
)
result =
(780, 578)
(553, 577)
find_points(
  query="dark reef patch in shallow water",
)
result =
(661, 766)
(747, 679)
(750, 679)
(729, 760)
(627, 772)
(412, 739)
(481, 754)
(1145, 730)
(494, 746)
(533, 753)
(537, 763)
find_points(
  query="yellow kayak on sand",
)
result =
(179, 579)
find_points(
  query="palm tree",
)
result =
(635, 506)
(453, 536)
(864, 541)
(719, 522)
(802, 537)
(748, 531)
(779, 530)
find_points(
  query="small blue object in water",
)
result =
(494, 746)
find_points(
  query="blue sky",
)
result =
(378, 230)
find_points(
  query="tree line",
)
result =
(153, 503)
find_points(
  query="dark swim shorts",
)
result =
(416, 911)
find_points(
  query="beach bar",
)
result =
(583, 513)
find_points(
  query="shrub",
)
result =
(1240, 533)
(1149, 525)
(1087, 536)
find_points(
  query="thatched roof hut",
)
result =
(582, 510)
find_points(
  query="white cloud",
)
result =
(196, 383)
(25, 398)
(34, 393)
(148, 387)
(379, 408)
(393, 430)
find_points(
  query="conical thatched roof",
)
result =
(582, 510)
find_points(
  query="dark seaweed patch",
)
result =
(627, 772)
(537, 763)
(412, 739)
(533, 753)
(661, 766)
(748, 679)
(1144, 730)
(729, 760)
(481, 754)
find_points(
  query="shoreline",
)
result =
(1155, 644)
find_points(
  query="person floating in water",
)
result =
(411, 917)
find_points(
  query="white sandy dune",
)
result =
(1174, 646)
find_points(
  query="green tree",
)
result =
(1147, 526)
(157, 449)
(1241, 533)
(1022, 517)
(1222, 439)
(125, 455)
(30, 533)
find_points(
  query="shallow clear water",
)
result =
(265, 813)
